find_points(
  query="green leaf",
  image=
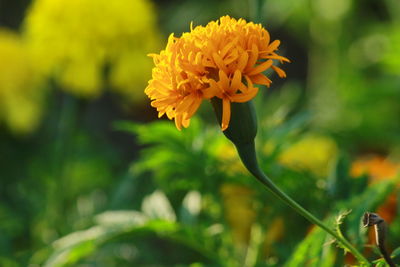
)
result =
(191, 207)
(369, 200)
(78, 245)
(396, 252)
(157, 206)
(314, 251)
(6, 262)
(340, 185)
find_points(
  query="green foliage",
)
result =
(116, 227)
(184, 155)
(98, 184)
(315, 249)
(395, 256)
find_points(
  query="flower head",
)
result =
(224, 59)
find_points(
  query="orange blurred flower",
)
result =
(378, 169)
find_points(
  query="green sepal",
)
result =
(242, 127)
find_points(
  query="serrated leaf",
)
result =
(339, 220)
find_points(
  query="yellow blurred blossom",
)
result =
(274, 232)
(20, 94)
(229, 162)
(78, 40)
(313, 153)
(239, 211)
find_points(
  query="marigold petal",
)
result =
(280, 58)
(185, 122)
(244, 97)
(231, 58)
(242, 62)
(261, 79)
(161, 113)
(243, 88)
(236, 80)
(182, 83)
(253, 57)
(219, 62)
(226, 113)
(198, 58)
(185, 104)
(266, 36)
(170, 113)
(162, 102)
(249, 82)
(206, 62)
(193, 108)
(260, 68)
(281, 73)
(211, 91)
(223, 81)
(273, 46)
(229, 46)
(178, 122)
(160, 85)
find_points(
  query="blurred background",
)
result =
(90, 177)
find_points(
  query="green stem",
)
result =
(249, 159)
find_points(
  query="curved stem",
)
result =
(248, 157)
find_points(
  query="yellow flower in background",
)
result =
(229, 162)
(77, 40)
(313, 153)
(275, 232)
(20, 92)
(224, 59)
(239, 211)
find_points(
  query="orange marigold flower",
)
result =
(223, 59)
